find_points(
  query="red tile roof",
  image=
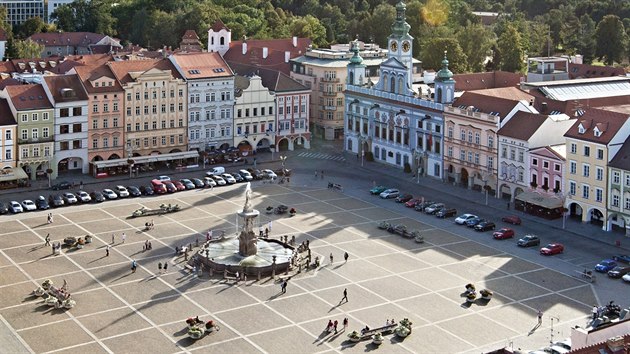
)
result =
(276, 49)
(6, 116)
(480, 81)
(522, 125)
(218, 25)
(190, 34)
(273, 80)
(202, 65)
(582, 71)
(121, 69)
(90, 73)
(75, 39)
(608, 122)
(500, 100)
(66, 88)
(28, 97)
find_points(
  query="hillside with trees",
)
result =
(596, 29)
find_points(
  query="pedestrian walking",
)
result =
(595, 312)
(540, 315)
(335, 325)
(124, 237)
(134, 265)
(165, 267)
(160, 267)
(107, 251)
(329, 326)
(508, 205)
(284, 286)
(80, 185)
(322, 174)
(345, 295)
(113, 238)
(345, 323)
(331, 258)
(266, 232)
(47, 240)
(51, 218)
(345, 256)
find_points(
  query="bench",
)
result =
(382, 330)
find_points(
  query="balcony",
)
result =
(329, 93)
(329, 79)
(329, 108)
(35, 141)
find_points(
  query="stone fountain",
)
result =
(245, 252)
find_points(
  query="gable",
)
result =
(394, 64)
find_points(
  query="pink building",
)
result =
(546, 166)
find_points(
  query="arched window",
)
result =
(400, 85)
(385, 82)
(392, 85)
(351, 76)
(222, 40)
(349, 144)
(439, 94)
(212, 40)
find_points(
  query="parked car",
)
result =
(109, 194)
(134, 191)
(246, 175)
(97, 197)
(485, 226)
(216, 171)
(474, 221)
(269, 174)
(626, 277)
(511, 219)
(122, 191)
(551, 249)
(528, 241)
(420, 206)
(605, 265)
(84, 197)
(228, 178)
(61, 185)
(257, 174)
(219, 180)
(70, 198)
(446, 212)
(390, 193)
(433, 208)
(41, 203)
(170, 187)
(404, 198)
(461, 220)
(146, 190)
(179, 185)
(15, 207)
(187, 183)
(3, 208)
(198, 183)
(618, 272)
(209, 182)
(56, 201)
(412, 202)
(163, 178)
(377, 190)
(238, 177)
(28, 205)
(503, 233)
(623, 258)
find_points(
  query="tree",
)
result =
(27, 49)
(309, 27)
(433, 54)
(510, 50)
(435, 12)
(31, 26)
(611, 39)
(382, 17)
(476, 41)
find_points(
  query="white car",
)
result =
(269, 173)
(109, 194)
(461, 220)
(15, 207)
(626, 277)
(28, 205)
(433, 208)
(209, 182)
(163, 178)
(229, 178)
(220, 181)
(390, 193)
(246, 175)
(122, 191)
(84, 197)
(70, 198)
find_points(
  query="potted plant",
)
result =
(354, 336)
(195, 332)
(88, 238)
(486, 294)
(402, 331)
(210, 327)
(545, 187)
(69, 303)
(377, 339)
(556, 190)
(471, 297)
(534, 184)
(470, 288)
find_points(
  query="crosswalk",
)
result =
(318, 155)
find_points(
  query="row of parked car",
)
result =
(616, 267)
(168, 185)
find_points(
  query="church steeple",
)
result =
(356, 68)
(444, 83)
(400, 28)
(400, 43)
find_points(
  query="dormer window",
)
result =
(597, 132)
(581, 129)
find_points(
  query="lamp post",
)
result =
(362, 156)
(484, 179)
(282, 161)
(417, 154)
(551, 334)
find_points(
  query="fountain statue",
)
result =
(247, 239)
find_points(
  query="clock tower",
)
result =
(400, 43)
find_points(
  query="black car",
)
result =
(56, 201)
(97, 197)
(61, 185)
(41, 203)
(146, 190)
(474, 221)
(238, 177)
(446, 212)
(485, 226)
(257, 174)
(3, 208)
(528, 241)
(618, 271)
(420, 206)
(198, 183)
(134, 191)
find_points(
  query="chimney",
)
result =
(244, 48)
(265, 52)
(543, 108)
(287, 56)
(295, 41)
(531, 102)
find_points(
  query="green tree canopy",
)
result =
(433, 54)
(476, 41)
(309, 27)
(27, 49)
(510, 50)
(611, 39)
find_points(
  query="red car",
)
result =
(179, 185)
(503, 234)
(511, 219)
(552, 248)
(412, 203)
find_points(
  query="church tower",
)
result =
(444, 84)
(356, 68)
(400, 42)
(219, 38)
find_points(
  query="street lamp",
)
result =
(484, 179)
(362, 155)
(417, 154)
(282, 160)
(551, 336)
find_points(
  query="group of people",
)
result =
(332, 325)
(147, 246)
(149, 225)
(50, 218)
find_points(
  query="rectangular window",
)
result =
(546, 165)
(572, 167)
(587, 151)
(556, 167)
(105, 107)
(115, 107)
(24, 134)
(35, 133)
(586, 191)
(600, 154)
(45, 132)
(64, 112)
(24, 117)
(627, 204)
(627, 180)
(586, 170)
(8, 155)
(573, 148)
(599, 195)
(535, 162)
(7, 135)
(45, 116)
(95, 124)
(490, 163)
(616, 177)
(615, 200)
(105, 142)
(599, 172)
(115, 141)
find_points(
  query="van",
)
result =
(158, 186)
(216, 171)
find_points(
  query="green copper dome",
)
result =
(356, 57)
(400, 28)
(444, 74)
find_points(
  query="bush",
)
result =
(369, 156)
(407, 168)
